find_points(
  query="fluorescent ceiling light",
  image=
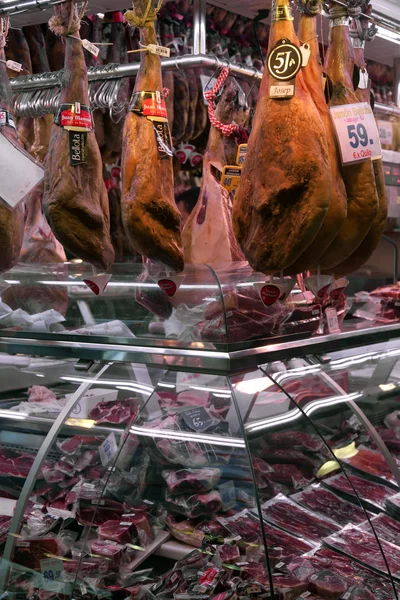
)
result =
(390, 36)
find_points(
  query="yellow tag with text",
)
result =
(241, 155)
(231, 177)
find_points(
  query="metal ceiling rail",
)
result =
(28, 6)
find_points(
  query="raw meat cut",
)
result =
(110, 550)
(18, 464)
(29, 553)
(39, 393)
(285, 188)
(208, 236)
(359, 179)
(75, 198)
(4, 527)
(362, 546)
(66, 465)
(11, 221)
(301, 567)
(199, 505)
(298, 440)
(73, 446)
(359, 593)
(150, 216)
(287, 586)
(373, 494)
(98, 512)
(372, 239)
(191, 480)
(87, 459)
(185, 532)
(118, 531)
(323, 501)
(385, 528)
(114, 411)
(328, 585)
(284, 513)
(287, 475)
(313, 75)
(228, 554)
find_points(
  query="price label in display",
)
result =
(357, 132)
(198, 419)
(386, 132)
(332, 320)
(108, 449)
(52, 570)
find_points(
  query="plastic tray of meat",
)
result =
(286, 514)
(372, 495)
(325, 502)
(363, 547)
(385, 527)
(372, 463)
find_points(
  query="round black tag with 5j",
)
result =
(284, 61)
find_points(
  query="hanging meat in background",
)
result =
(115, 117)
(11, 221)
(17, 49)
(75, 199)
(39, 247)
(149, 213)
(208, 236)
(359, 179)
(35, 133)
(164, 31)
(181, 104)
(313, 74)
(361, 32)
(124, 251)
(285, 188)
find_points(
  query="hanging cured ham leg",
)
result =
(11, 221)
(313, 73)
(149, 213)
(75, 198)
(285, 188)
(363, 93)
(208, 236)
(359, 179)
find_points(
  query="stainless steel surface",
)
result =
(193, 358)
(199, 27)
(30, 481)
(395, 257)
(27, 6)
(384, 109)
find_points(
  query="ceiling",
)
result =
(380, 50)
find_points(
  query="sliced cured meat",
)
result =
(373, 494)
(149, 213)
(359, 179)
(326, 503)
(208, 236)
(11, 221)
(184, 532)
(199, 505)
(372, 239)
(191, 480)
(328, 585)
(338, 207)
(118, 531)
(371, 462)
(228, 554)
(386, 528)
(72, 446)
(75, 198)
(285, 188)
(287, 586)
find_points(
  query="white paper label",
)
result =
(207, 84)
(281, 91)
(357, 132)
(364, 80)
(305, 53)
(14, 66)
(91, 48)
(98, 284)
(386, 132)
(108, 449)
(19, 173)
(52, 570)
(332, 320)
(279, 565)
(159, 50)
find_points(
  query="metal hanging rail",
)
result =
(28, 6)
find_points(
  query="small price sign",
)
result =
(332, 320)
(52, 570)
(108, 449)
(357, 132)
(386, 132)
(198, 419)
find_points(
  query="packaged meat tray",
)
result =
(325, 502)
(373, 495)
(362, 546)
(286, 514)
(385, 527)
(373, 464)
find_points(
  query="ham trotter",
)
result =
(208, 234)
(11, 221)
(285, 188)
(75, 198)
(338, 209)
(150, 216)
(359, 179)
(367, 247)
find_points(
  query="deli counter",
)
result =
(151, 450)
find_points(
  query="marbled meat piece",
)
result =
(191, 480)
(284, 513)
(116, 412)
(288, 586)
(368, 491)
(324, 502)
(74, 445)
(328, 584)
(122, 532)
(228, 554)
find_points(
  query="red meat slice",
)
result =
(122, 532)
(116, 412)
(368, 491)
(73, 446)
(191, 480)
(326, 503)
(29, 553)
(328, 584)
(288, 586)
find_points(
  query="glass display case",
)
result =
(136, 466)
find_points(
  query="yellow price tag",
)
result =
(241, 155)
(230, 177)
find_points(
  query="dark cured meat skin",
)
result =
(37, 48)
(75, 199)
(149, 213)
(17, 49)
(11, 221)
(285, 188)
(201, 110)
(367, 490)
(55, 47)
(38, 550)
(193, 100)
(359, 179)
(181, 102)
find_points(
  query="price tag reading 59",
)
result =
(357, 132)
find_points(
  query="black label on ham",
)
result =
(198, 419)
(163, 138)
(284, 61)
(77, 148)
